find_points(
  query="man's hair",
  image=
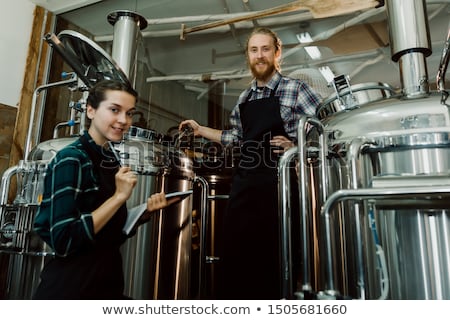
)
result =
(276, 41)
(97, 92)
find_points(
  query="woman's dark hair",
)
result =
(97, 92)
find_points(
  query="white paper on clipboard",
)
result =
(135, 212)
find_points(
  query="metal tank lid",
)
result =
(389, 118)
(87, 59)
(46, 150)
(354, 96)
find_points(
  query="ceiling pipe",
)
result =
(266, 22)
(409, 35)
(240, 74)
(379, 58)
(127, 25)
(331, 32)
(319, 9)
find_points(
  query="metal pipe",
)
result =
(373, 194)
(4, 187)
(304, 187)
(69, 123)
(72, 80)
(126, 31)
(317, 10)
(409, 35)
(355, 151)
(284, 196)
(204, 221)
(443, 64)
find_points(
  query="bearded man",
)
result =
(264, 123)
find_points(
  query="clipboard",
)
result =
(181, 194)
(135, 213)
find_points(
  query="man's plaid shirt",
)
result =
(296, 99)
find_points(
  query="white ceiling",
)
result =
(218, 51)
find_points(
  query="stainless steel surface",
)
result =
(408, 138)
(410, 278)
(389, 160)
(23, 250)
(126, 32)
(285, 224)
(354, 96)
(390, 118)
(443, 64)
(408, 27)
(213, 176)
(414, 75)
(34, 129)
(157, 262)
(205, 222)
(47, 150)
(410, 44)
(88, 59)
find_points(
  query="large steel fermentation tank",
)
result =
(22, 253)
(382, 153)
(384, 186)
(157, 259)
(213, 166)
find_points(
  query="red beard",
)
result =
(262, 74)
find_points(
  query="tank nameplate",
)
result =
(423, 120)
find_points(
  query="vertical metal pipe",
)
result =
(126, 31)
(284, 196)
(410, 43)
(304, 187)
(443, 64)
(5, 183)
(355, 150)
(204, 228)
(28, 142)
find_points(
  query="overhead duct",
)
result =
(410, 44)
(127, 25)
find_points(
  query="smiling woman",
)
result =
(110, 111)
(83, 210)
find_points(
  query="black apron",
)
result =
(96, 271)
(250, 261)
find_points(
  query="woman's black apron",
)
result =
(96, 271)
(250, 260)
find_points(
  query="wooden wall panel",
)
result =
(33, 78)
(7, 123)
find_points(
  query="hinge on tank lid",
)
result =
(340, 83)
(440, 78)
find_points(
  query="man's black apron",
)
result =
(96, 271)
(250, 259)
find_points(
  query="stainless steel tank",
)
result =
(384, 183)
(21, 249)
(157, 260)
(395, 143)
(213, 167)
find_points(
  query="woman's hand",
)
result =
(126, 180)
(156, 201)
(282, 143)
